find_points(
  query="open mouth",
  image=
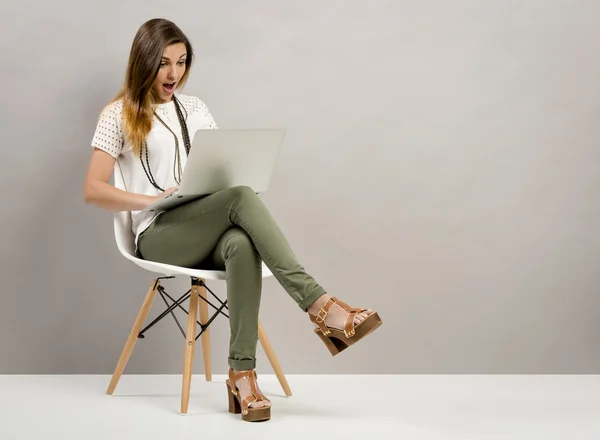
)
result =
(169, 87)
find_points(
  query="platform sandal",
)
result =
(237, 405)
(337, 340)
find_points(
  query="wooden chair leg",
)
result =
(190, 342)
(206, 335)
(266, 345)
(133, 336)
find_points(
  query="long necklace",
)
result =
(177, 158)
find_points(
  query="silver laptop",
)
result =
(222, 158)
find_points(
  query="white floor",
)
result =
(415, 407)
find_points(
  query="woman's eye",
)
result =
(180, 63)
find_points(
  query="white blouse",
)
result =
(161, 148)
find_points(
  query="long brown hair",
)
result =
(144, 62)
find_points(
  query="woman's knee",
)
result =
(237, 241)
(241, 192)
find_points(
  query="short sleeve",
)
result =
(201, 108)
(109, 131)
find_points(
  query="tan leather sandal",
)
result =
(338, 340)
(237, 405)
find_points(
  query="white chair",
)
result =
(126, 245)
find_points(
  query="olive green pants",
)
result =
(231, 230)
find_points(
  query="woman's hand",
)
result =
(163, 194)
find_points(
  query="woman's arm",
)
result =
(98, 192)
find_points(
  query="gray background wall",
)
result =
(441, 166)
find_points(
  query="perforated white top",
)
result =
(109, 137)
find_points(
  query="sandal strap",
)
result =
(349, 326)
(233, 378)
(246, 403)
(347, 307)
(319, 318)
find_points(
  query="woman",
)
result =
(149, 129)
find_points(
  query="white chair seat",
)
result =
(170, 270)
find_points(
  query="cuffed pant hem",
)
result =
(311, 298)
(243, 364)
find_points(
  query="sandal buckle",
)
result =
(321, 316)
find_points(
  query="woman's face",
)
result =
(172, 68)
